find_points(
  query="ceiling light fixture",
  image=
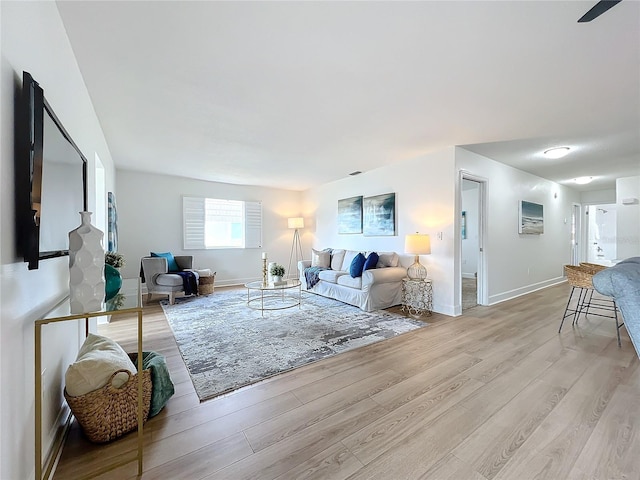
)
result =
(557, 152)
(583, 180)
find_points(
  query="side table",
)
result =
(417, 296)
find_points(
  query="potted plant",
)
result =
(115, 259)
(277, 272)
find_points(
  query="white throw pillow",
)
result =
(349, 255)
(320, 258)
(388, 259)
(98, 359)
(337, 256)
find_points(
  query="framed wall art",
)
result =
(530, 218)
(350, 215)
(463, 225)
(379, 215)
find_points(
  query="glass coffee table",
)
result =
(273, 297)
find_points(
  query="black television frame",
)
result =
(29, 157)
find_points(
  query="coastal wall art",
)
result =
(350, 215)
(530, 218)
(379, 215)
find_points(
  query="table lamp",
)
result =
(417, 244)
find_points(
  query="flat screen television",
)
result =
(51, 178)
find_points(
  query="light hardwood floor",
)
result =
(494, 394)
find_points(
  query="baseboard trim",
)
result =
(518, 292)
(50, 465)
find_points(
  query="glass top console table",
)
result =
(127, 301)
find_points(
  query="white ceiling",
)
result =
(295, 94)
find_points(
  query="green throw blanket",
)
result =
(161, 385)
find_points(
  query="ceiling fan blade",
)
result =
(598, 9)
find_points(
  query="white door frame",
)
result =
(482, 281)
(576, 216)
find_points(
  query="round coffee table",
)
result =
(273, 297)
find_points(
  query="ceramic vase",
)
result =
(86, 267)
(113, 281)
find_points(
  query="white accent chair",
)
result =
(158, 278)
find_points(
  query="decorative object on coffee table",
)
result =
(264, 269)
(277, 272)
(86, 267)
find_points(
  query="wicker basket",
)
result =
(579, 276)
(592, 267)
(205, 286)
(108, 413)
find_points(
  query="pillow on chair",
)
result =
(171, 261)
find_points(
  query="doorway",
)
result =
(472, 238)
(601, 234)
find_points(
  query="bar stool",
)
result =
(581, 277)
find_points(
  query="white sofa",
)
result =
(377, 288)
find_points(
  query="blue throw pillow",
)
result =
(372, 261)
(357, 264)
(171, 262)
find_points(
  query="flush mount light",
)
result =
(557, 152)
(583, 180)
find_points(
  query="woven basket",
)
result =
(205, 286)
(579, 276)
(108, 413)
(592, 267)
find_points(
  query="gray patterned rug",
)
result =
(226, 345)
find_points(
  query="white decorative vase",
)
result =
(86, 267)
(269, 276)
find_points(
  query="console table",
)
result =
(417, 296)
(127, 301)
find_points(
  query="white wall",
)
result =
(594, 197)
(150, 219)
(33, 39)
(628, 221)
(425, 192)
(519, 264)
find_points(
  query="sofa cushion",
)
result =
(357, 264)
(320, 258)
(98, 359)
(349, 281)
(331, 276)
(337, 257)
(388, 259)
(171, 261)
(169, 280)
(349, 255)
(371, 261)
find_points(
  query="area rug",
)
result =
(226, 345)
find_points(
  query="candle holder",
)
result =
(264, 272)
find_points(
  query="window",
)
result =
(217, 223)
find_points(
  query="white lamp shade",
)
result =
(296, 222)
(417, 244)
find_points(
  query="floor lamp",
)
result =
(296, 248)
